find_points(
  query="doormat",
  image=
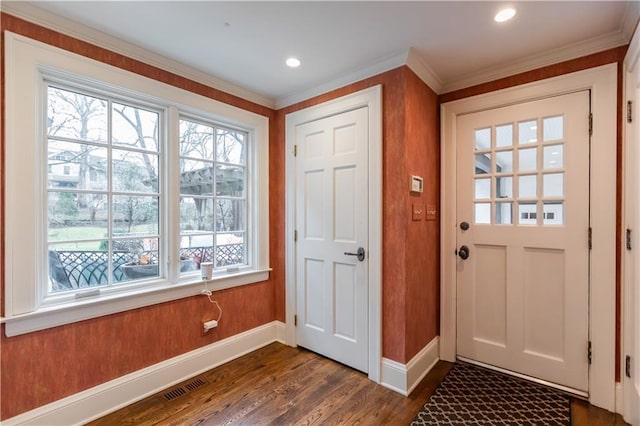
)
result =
(471, 395)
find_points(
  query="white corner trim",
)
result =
(418, 65)
(103, 399)
(31, 13)
(619, 399)
(550, 57)
(404, 378)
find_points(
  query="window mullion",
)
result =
(171, 219)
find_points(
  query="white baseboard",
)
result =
(619, 398)
(404, 378)
(103, 399)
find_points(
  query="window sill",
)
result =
(54, 316)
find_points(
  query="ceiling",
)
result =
(241, 46)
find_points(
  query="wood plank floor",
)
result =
(280, 385)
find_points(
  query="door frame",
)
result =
(630, 258)
(371, 98)
(602, 81)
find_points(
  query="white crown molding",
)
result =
(554, 56)
(370, 71)
(31, 13)
(418, 65)
(630, 19)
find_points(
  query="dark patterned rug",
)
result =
(471, 395)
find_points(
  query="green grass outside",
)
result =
(88, 233)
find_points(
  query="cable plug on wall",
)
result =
(206, 293)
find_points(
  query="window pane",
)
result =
(141, 257)
(553, 157)
(504, 135)
(483, 139)
(527, 186)
(196, 177)
(230, 215)
(230, 250)
(553, 185)
(134, 171)
(527, 132)
(504, 187)
(196, 214)
(504, 161)
(76, 165)
(76, 116)
(553, 213)
(230, 146)
(527, 213)
(483, 164)
(483, 213)
(229, 181)
(528, 159)
(198, 247)
(77, 216)
(71, 268)
(504, 213)
(196, 140)
(135, 215)
(483, 189)
(135, 127)
(552, 128)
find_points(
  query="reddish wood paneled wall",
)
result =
(615, 55)
(38, 368)
(410, 254)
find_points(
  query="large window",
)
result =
(118, 188)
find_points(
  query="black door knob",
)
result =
(463, 252)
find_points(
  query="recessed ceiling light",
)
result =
(293, 62)
(505, 14)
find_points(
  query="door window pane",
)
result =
(483, 164)
(553, 213)
(528, 160)
(527, 132)
(554, 157)
(504, 187)
(483, 139)
(527, 213)
(553, 129)
(504, 213)
(504, 135)
(504, 161)
(528, 186)
(552, 185)
(483, 189)
(483, 213)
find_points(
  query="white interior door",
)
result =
(523, 191)
(631, 295)
(332, 221)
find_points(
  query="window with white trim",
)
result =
(103, 208)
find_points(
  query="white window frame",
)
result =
(26, 63)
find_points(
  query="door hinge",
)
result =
(295, 320)
(628, 239)
(589, 353)
(590, 238)
(295, 150)
(627, 366)
(295, 236)
(590, 124)
(629, 111)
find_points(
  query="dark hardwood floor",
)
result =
(280, 385)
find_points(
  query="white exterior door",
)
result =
(523, 219)
(332, 221)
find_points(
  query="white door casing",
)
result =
(331, 221)
(523, 290)
(631, 256)
(369, 103)
(602, 82)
